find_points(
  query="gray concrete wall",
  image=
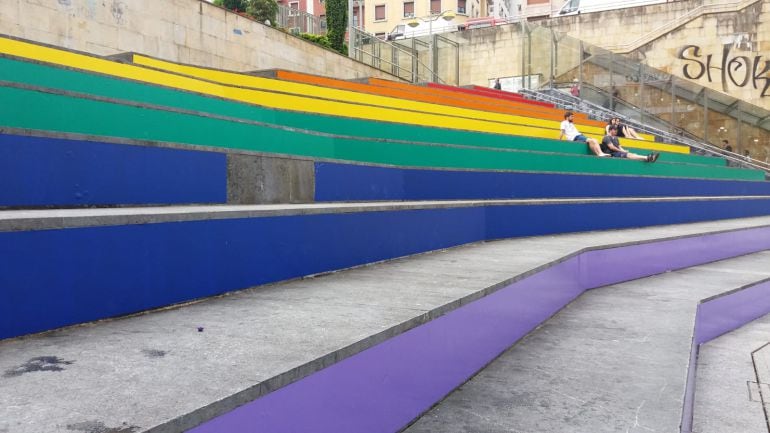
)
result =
(187, 31)
(499, 52)
(743, 32)
(257, 179)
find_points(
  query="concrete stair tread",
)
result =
(151, 369)
(38, 219)
(613, 360)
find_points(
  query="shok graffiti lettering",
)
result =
(740, 71)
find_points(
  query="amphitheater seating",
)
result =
(477, 90)
(451, 94)
(358, 176)
(480, 101)
(546, 131)
(504, 141)
(483, 104)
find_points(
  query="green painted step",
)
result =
(49, 110)
(79, 81)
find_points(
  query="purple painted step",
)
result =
(385, 387)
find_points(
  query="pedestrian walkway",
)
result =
(172, 369)
(614, 360)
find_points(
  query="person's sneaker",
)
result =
(652, 157)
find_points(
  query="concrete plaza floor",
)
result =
(158, 372)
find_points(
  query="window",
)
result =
(435, 6)
(460, 6)
(379, 13)
(408, 9)
(570, 7)
(293, 8)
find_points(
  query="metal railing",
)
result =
(296, 22)
(402, 57)
(717, 7)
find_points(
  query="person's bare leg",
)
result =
(636, 157)
(594, 146)
(631, 133)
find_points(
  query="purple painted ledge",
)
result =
(387, 386)
(720, 315)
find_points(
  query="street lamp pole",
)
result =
(431, 50)
(351, 37)
(447, 15)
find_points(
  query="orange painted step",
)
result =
(472, 103)
(542, 112)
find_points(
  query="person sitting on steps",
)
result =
(611, 144)
(569, 130)
(624, 131)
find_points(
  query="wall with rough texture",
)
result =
(187, 31)
(743, 35)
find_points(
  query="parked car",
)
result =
(574, 7)
(481, 22)
(403, 31)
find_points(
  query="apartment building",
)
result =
(381, 17)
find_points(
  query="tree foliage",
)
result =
(321, 40)
(233, 5)
(336, 23)
(260, 10)
(263, 10)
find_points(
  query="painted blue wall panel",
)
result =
(53, 278)
(351, 182)
(340, 182)
(537, 220)
(37, 171)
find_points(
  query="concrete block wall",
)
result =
(187, 31)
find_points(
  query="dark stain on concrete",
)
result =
(99, 427)
(41, 363)
(154, 353)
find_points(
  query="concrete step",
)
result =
(733, 380)
(616, 359)
(173, 369)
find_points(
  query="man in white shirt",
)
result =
(569, 130)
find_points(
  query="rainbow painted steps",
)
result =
(50, 110)
(14, 70)
(418, 113)
(544, 128)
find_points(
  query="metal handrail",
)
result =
(413, 75)
(297, 21)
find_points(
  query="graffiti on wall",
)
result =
(118, 10)
(728, 68)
